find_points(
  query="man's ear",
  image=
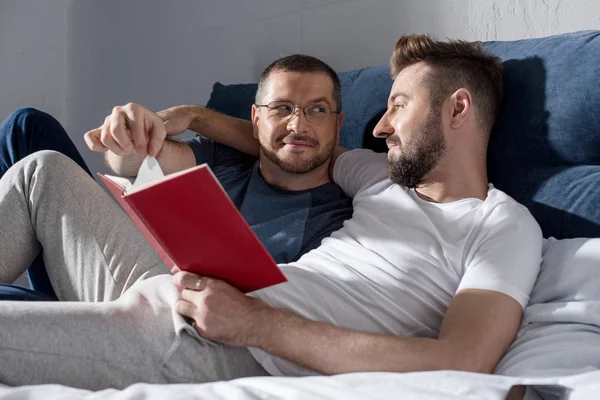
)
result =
(462, 105)
(338, 126)
(255, 121)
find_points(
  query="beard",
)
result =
(298, 165)
(421, 155)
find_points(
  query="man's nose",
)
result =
(383, 128)
(297, 121)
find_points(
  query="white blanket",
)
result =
(373, 386)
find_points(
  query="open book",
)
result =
(191, 223)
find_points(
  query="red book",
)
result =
(191, 223)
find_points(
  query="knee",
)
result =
(27, 112)
(45, 160)
(50, 168)
(50, 157)
(29, 120)
(41, 166)
(30, 114)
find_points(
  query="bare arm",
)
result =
(233, 132)
(132, 131)
(477, 329)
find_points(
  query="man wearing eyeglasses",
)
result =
(286, 195)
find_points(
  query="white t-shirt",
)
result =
(395, 266)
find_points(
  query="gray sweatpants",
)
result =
(115, 325)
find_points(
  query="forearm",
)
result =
(331, 350)
(126, 166)
(233, 132)
(174, 156)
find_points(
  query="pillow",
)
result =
(560, 331)
(364, 100)
(233, 100)
(545, 147)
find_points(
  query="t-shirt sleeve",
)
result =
(506, 254)
(359, 169)
(215, 154)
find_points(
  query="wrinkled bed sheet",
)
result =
(418, 385)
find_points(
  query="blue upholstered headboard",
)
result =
(545, 148)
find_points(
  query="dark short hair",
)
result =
(301, 63)
(454, 64)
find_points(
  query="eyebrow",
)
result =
(312, 101)
(398, 94)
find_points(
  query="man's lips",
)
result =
(297, 143)
(392, 141)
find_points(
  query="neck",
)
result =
(275, 176)
(453, 180)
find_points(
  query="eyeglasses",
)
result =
(314, 113)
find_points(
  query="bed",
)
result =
(362, 386)
(544, 152)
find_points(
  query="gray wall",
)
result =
(77, 58)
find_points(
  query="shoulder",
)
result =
(363, 156)
(327, 193)
(359, 169)
(216, 154)
(503, 218)
(499, 206)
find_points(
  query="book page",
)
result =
(149, 171)
(123, 183)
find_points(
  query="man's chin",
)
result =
(295, 166)
(297, 163)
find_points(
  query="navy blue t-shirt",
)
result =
(288, 223)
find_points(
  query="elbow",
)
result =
(481, 368)
(471, 360)
(481, 356)
(116, 164)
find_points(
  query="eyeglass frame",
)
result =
(293, 112)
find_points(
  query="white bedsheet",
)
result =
(419, 385)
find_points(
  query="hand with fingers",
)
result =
(129, 129)
(134, 129)
(177, 119)
(220, 312)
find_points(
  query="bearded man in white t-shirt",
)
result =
(432, 272)
(436, 265)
